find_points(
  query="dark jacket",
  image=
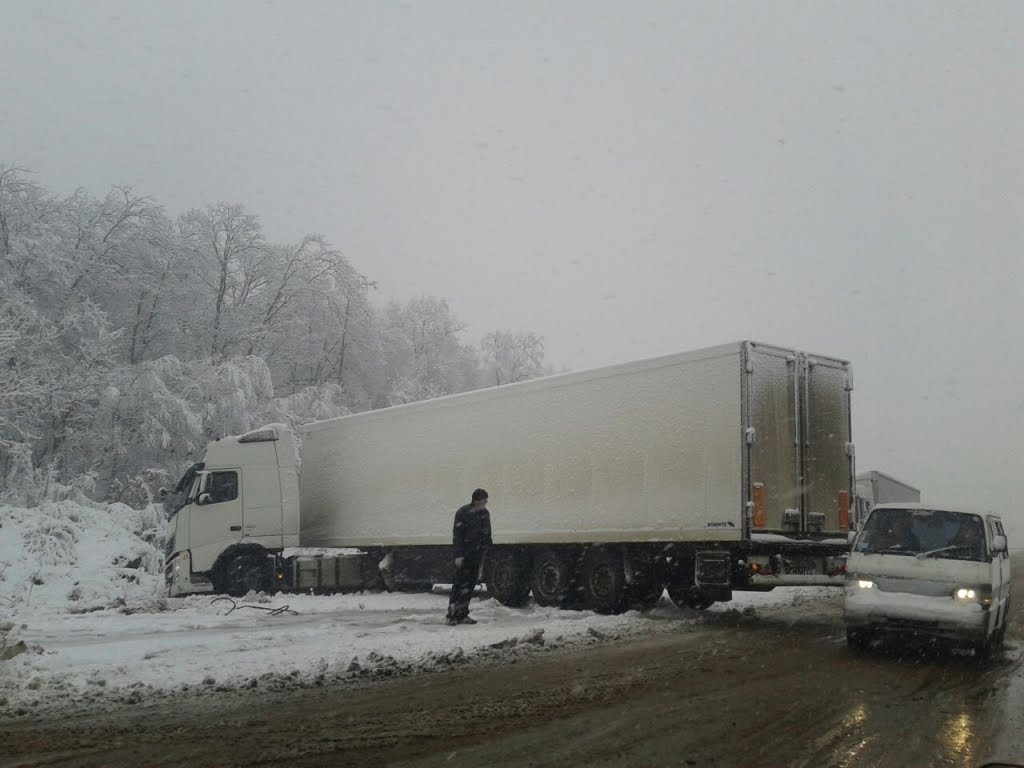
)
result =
(472, 532)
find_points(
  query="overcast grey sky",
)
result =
(625, 179)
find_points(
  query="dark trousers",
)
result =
(463, 585)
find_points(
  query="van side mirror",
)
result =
(850, 537)
(999, 543)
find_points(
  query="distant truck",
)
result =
(705, 472)
(874, 487)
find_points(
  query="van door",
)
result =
(1000, 567)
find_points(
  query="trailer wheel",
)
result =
(507, 578)
(248, 573)
(603, 580)
(690, 596)
(647, 588)
(551, 578)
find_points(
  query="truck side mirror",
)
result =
(161, 493)
(850, 537)
(999, 543)
(204, 498)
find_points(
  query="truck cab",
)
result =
(236, 507)
(926, 572)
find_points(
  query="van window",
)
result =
(953, 535)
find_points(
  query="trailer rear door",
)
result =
(773, 439)
(828, 450)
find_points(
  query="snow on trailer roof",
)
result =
(555, 380)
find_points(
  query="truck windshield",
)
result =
(177, 498)
(924, 533)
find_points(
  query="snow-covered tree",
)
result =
(129, 340)
(423, 352)
(510, 357)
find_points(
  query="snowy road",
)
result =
(187, 646)
(767, 678)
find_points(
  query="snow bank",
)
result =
(66, 556)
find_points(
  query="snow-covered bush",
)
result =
(74, 556)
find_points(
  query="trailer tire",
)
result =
(551, 578)
(507, 577)
(646, 596)
(690, 596)
(248, 573)
(603, 580)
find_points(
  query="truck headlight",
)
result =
(966, 593)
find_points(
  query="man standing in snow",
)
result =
(471, 537)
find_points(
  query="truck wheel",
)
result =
(551, 579)
(603, 580)
(507, 578)
(690, 596)
(248, 573)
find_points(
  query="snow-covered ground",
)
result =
(80, 626)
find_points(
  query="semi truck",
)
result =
(874, 487)
(705, 472)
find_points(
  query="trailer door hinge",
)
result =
(750, 433)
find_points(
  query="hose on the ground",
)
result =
(269, 611)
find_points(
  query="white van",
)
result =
(935, 573)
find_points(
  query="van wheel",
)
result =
(507, 577)
(551, 578)
(858, 639)
(1000, 635)
(248, 573)
(983, 649)
(603, 580)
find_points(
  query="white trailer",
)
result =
(874, 487)
(703, 472)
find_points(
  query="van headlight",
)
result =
(982, 595)
(855, 583)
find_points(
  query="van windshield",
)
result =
(924, 532)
